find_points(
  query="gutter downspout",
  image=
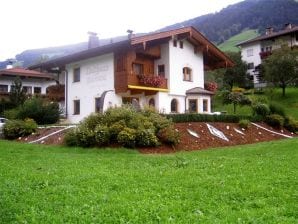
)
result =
(66, 93)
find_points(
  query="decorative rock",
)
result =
(26, 139)
(217, 133)
(282, 131)
(238, 131)
(42, 142)
(20, 138)
(243, 129)
(193, 133)
(228, 127)
(260, 133)
(59, 138)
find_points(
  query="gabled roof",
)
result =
(199, 90)
(270, 36)
(212, 55)
(25, 73)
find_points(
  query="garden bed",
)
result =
(187, 142)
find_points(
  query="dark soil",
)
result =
(187, 142)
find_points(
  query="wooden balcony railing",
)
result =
(154, 81)
(265, 54)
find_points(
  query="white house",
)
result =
(33, 82)
(164, 70)
(253, 51)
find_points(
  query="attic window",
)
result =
(76, 74)
(181, 44)
(175, 43)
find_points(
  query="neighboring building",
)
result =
(255, 50)
(164, 70)
(33, 82)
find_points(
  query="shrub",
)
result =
(169, 135)
(93, 120)
(39, 110)
(102, 135)
(125, 113)
(277, 109)
(18, 128)
(146, 137)
(127, 137)
(291, 124)
(116, 128)
(275, 120)
(244, 123)
(159, 121)
(261, 109)
(71, 138)
(11, 114)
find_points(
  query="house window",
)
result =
(205, 105)
(262, 49)
(138, 69)
(193, 106)
(27, 89)
(250, 66)
(174, 106)
(187, 76)
(175, 43)
(250, 52)
(97, 104)
(77, 74)
(152, 102)
(76, 107)
(3, 88)
(269, 49)
(181, 44)
(161, 70)
(37, 90)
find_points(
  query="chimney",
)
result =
(130, 34)
(269, 30)
(288, 26)
(9, 65)
(93, 40)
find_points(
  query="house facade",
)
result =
(33, 82)
(257, 49)
(164, 70)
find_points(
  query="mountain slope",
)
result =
(249, 14)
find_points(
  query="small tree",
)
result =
(281, 68)
(17, 96)
(236, 98)
(237, 74)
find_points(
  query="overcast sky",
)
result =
(30, 24)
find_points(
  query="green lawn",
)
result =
(230, 44)
(245, 184)
(289, 102)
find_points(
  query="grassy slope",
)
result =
(229, 45)
(289, 102)
(245, 184)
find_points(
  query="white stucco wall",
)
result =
(96, 76)
(164, 60)
(28, 82)
(180, 58)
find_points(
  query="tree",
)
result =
(17, 96)
(237, 74)
(281, 68)
(236, 98)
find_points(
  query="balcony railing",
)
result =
(154, 81)
(265, 54)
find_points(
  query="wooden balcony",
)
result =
(265, 54)
(148, 84)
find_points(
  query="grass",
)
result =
(244, 184)
(230, 44)
(289, 102)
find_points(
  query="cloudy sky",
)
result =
(30, 24)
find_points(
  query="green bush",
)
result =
(102, 135)
(291, 124)
(71, 138)
(244, 123)
(127, 137)
(116, 128)
(41, 111)
(18, 128)
(275, 120)
(115, 114)
(93, 120)
(261, 109)
(146, 137)
(11, 114)
(169, 135)
(277, 109)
